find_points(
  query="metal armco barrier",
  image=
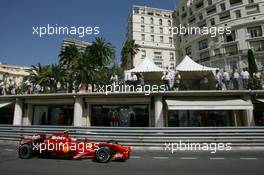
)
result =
(137, 136)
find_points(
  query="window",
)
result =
(203, 44)
(255, 31)
(211, 10)
(257, 45)
(235, 2)
(143, 54)
(171, 66)
(161, 39)
(231, 37)
(142, 28)
(143, 37)
(158, 64)
(212, 21)
(170, 31)
(151, 29)
(225, 16)
(151, 21)
(199, 5)
(152, 38)
(157, 55)
(205, 56)
(171, 56)
(231, 50)
(210, 2)
(251, 9)
(169, 22)
(132, 115)
(250, 1)
(142, 19)
(170, 40)
(160, 21)
(161, 30)
(223, 7)
(188, 51)
(238, 13)
(201, 16)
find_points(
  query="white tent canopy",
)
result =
(149, 69)
(189, 69)
(187, 64)
(147, 65)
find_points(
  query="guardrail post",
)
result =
(158, 111)
(78, 111)
(18, 112)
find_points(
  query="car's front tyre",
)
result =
(25, 151)
(103, 154)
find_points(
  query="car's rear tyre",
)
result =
(103, 154)
(25, 151)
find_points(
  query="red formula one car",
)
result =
(62, 145)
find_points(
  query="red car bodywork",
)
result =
(62, 145)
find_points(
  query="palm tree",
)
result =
(69, 61)
(130, 49)
(96, 57)
(101, 52)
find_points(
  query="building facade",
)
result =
(227, 51)
(9, 73)
(148, 27)
(81, 45)
(168, 109)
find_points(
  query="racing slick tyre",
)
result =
(25, 151)
(103, 154)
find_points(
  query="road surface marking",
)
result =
(217, 158)
(189, 158)
(135, 157)
(248, 158)
(7, 149)
(161, 157)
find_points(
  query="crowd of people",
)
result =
(10, 87)
(238, 80)
(172, 80)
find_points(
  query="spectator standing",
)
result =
(235, 79)
(257, 80)
(166, 79)
(141, 79)
(134, 80)
(114, 80)
(37, 89)
(226, 79)
(177, 80)
(245, 78)
(218, 80)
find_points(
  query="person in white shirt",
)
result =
(226, 79)
(245, 78)
(235, 79)
(218, 78)
(166, 78)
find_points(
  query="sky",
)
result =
(19, 46)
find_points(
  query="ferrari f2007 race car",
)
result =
(62, 145)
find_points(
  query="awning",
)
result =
(3, 104)
(208, 104)
(260, 100)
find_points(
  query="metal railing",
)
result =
(139, 136)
